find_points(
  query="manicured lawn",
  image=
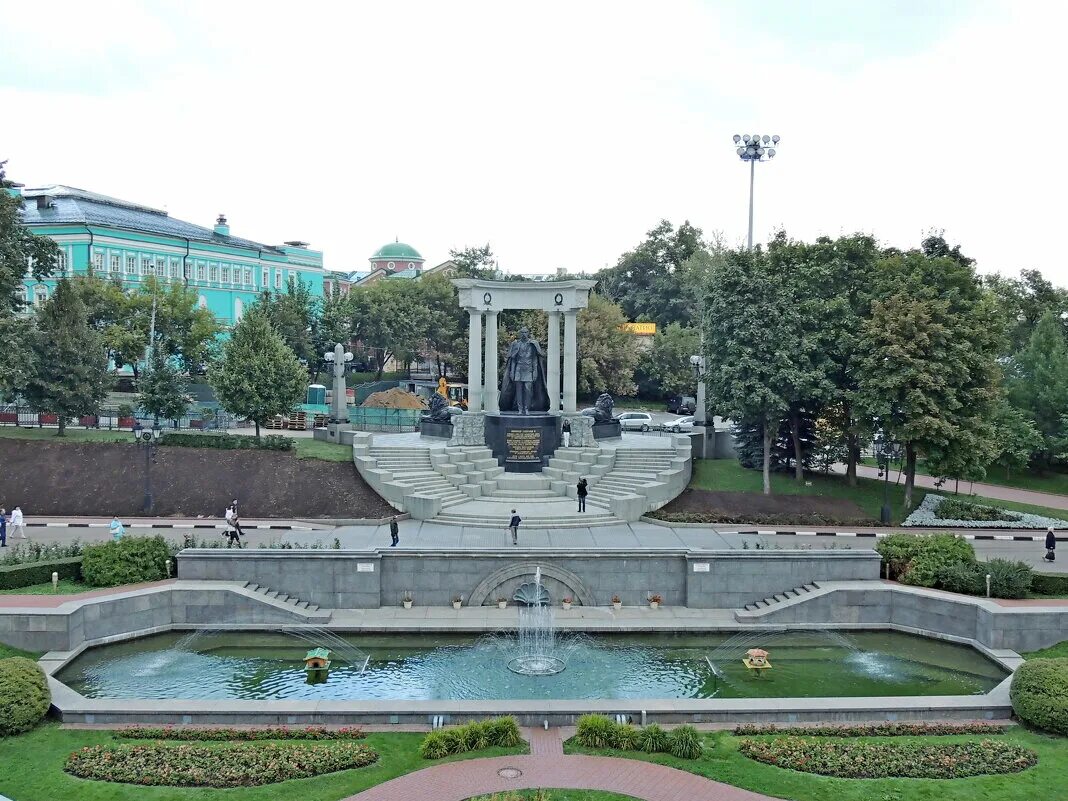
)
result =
(724, 763)
(65, 587)
(1054, 482)
(1058, 651)
(727, 475)
(31, 769)
(7, 650)
(308, 448)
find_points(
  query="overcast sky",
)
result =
(558, 132)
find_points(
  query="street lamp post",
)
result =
(148, 441)
(886, 453)
(697, 363)
(753, 149)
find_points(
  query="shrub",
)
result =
(684, 742)
(217, 765)
(24, 695)
(128, 561)
(504, 732)
(26, 575)
(653, 739)
(476, 736)
(595, 731)
(866, 760)
(1046, 584)
(874, 729)
(1008, 579)
(434, 745)
(228, 735)
(917, 559)
(473, 736)
(1039, 694)
(271, 442)
(964, 577)
(625, 737)
(30, 551)
(955, 509)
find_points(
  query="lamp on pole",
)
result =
(147, 440)
(886, 453)
(697, 364)
(754, 148)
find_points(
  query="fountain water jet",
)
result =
(537, 652)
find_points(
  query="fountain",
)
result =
(537, 652)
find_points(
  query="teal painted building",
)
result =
(119, 239)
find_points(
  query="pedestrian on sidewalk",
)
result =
(234, 532)
(394, 531)
(18, 527)
(232, 519)
(582, 493)
(513, 526)
(1051, 545)
(3, 527)
(565, 432)
(117, 529)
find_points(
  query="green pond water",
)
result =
(268, 666)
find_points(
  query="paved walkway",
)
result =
(547, 767)
(1047, 499)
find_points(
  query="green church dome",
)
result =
(398, 251)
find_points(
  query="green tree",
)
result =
(667, 362)
(475, 262)
(333, 325)
(293, 314)
(1015, 438)
(116, 316)
(162, 389)
(184, 331)
(389, 320)
(1023, 302)
(607, 355)
(70, 365)
(258, 375)
(19, 250)
(1038, 383)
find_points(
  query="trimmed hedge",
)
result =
(128, 561)
(474, 736)
(1039, 694)
(24, 695)
(916, 559)
(599, 731)
(26, 575)
(227, 765)
(873, 729)
(229, 735)
(229, 442)
(905, 760)
(1046, 584)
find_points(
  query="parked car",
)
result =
(680, 425)
(682, 404)
(636, 421)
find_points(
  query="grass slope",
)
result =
(31, 769)
(1058, 651)
(722, 762)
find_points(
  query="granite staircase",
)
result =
(782, 597)
(310, 611)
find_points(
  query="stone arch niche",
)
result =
(503, 583)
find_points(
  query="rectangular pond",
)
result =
(430, 666)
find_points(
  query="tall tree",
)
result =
(475, 262)
(258, 375)
(667, 362)
(333, 325)
(389, 320)
(1038, 384)
(70, 365)
(293, 314)
(445, 325)
(607, 355)
(162, 389)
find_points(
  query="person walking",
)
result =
(582, 493)
(565, 432)
(232, 519)
(117, 529)
(234, 532)
(394, 531)
(513, 526)
(3, 527)
(18, 527)
(1051, 545)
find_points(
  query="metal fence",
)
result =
(371, 418)
(109, 419)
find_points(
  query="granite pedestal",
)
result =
(522, 443)
(607, 429)
(431, 429)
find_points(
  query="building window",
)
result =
(176, 268)
(161, 267)
(146, 265)
(131, 265)
(200, 272)
(213, 273)
(40, 295)
(98, 262)
(266, 278)
(248, 276)
(390, 266)
(202, 302)
(277, 279)
(411, 265)
(239, 309)
(61, 261)
(226, 273)
(116, 263)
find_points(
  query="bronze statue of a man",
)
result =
(523, 386)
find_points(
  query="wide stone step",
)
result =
(522, 482)
(523, 495)
(578, 521)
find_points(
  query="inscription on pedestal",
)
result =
(524, 445)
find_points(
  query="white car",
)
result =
(636, 421)
(680, 425)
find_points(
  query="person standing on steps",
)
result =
(513, 526)
(394, 531)
(1051, 545)
(565, 432)
(582, 493)
(18, 527)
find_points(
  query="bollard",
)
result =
(55, 582)
(987, 585)
(168, 568)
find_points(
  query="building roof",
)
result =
(397, 250)
(80, 207)
(408, 272)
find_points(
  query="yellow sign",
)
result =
(642, 329)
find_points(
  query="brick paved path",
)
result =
(547, 767)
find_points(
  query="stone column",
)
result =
(570, 363)
(552, 369)
(491, 399)
(474, 362)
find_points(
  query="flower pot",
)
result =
(456, 604)
(407, 604)
(617, 604)
(567, 604)
(502, 604)
(654, 604)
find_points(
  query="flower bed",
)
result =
(237, 765)
(906, 760)
(927, 514)
(873, 729)
(230, 735)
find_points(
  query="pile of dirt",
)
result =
(708, 506)
(395, 398)
(104, 479)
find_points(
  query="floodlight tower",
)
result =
(753, 149)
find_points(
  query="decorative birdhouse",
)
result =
(317, 659)
(756, 659)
